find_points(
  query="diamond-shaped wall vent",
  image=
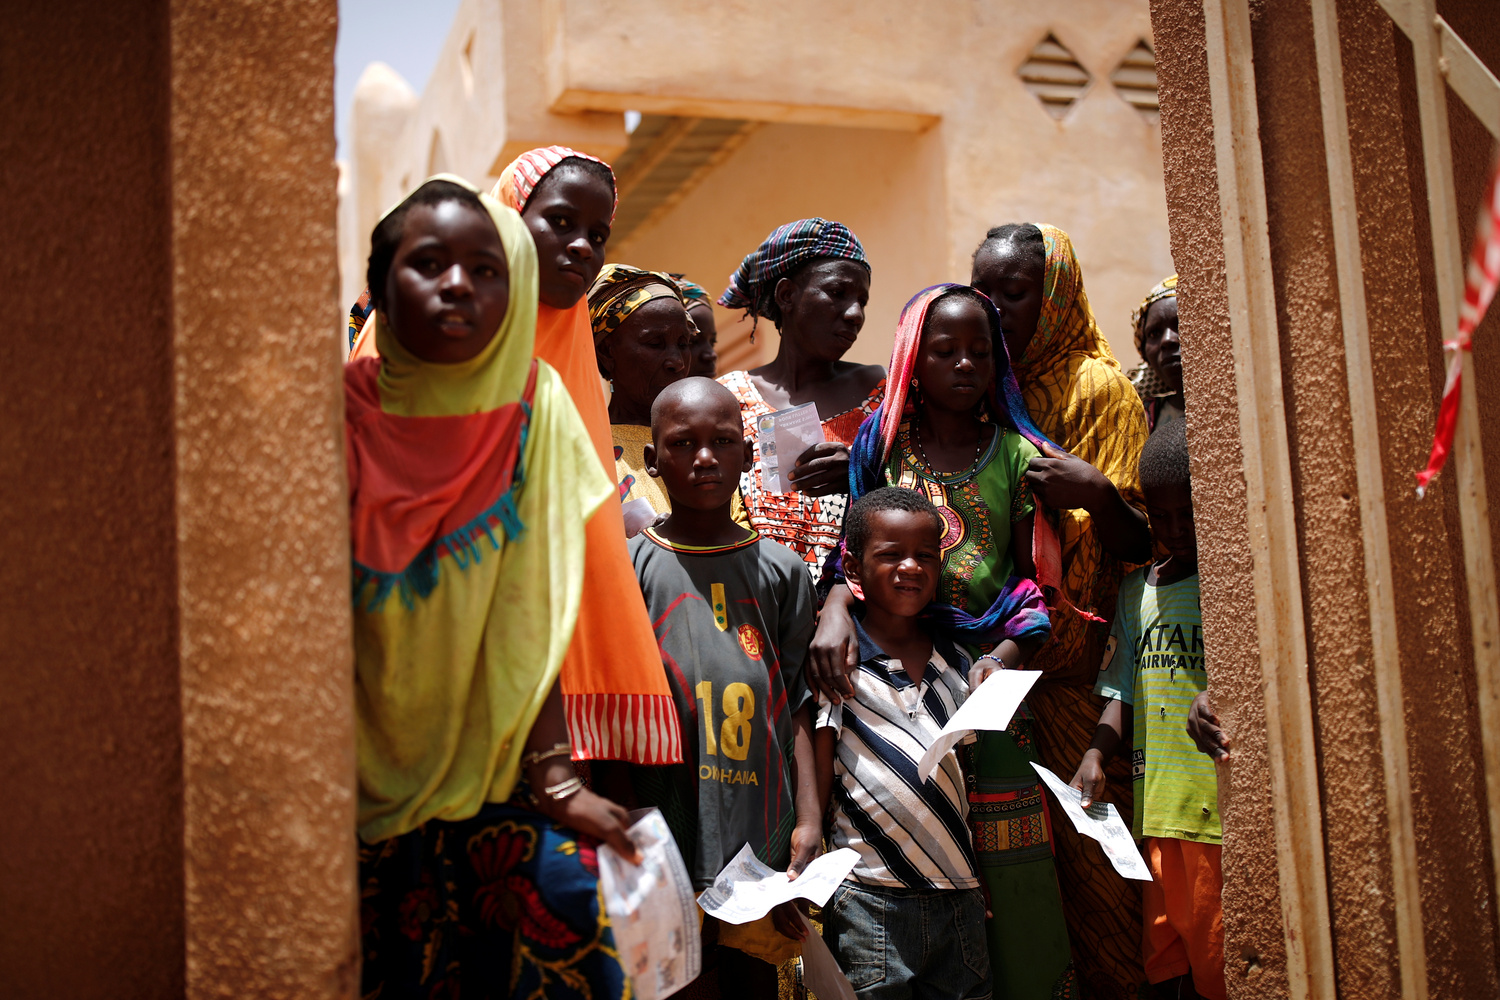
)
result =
(1054, 76)
(1135, 79)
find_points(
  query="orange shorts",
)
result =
(1184, 914)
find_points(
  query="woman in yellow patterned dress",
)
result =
(1079, 398)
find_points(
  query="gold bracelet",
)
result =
(537, 756)
(563, 789)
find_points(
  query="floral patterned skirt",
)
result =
(503, 905)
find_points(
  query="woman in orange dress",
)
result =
(614, 690)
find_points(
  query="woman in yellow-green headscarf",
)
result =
(1079, 398)
(470, 477)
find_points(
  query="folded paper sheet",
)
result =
(650, 906)
(820, 970)
(747, 889)
(1102, 822)
(990, 707)
(783, 436)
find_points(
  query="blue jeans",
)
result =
(920, 943)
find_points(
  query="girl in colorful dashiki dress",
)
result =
(811, 279)
(954, 429)
(471, 476)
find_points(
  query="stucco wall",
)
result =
(1443, 785)
(262, 511)
(872, 180)
(176, 719)
(1255, 952)
(90, 723)
(998, 157)
(543, 71)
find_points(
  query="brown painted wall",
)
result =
(176, 724)
(1445, 774)
(268, 741)
(1426, 555)
(90, 756)
(1255, 952)
(1335, 604)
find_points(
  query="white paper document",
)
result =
(747, 889)
(820, 970)
(650, 906)
(989, 707)
(783, 436)
(1102, 822)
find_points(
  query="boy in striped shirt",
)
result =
(912, 910)
(1157, 669)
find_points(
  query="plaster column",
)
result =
(1397, 835)
(262, 508)
(176, 720)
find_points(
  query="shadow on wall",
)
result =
(877, 182)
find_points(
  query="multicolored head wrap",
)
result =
(753, 286)
(525, 172)
(692, 293)
(1066, 324)
(1166, 290)
(620, 290)
(877, 435)
(1019, 611)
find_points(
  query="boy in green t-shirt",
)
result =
(1157, 667)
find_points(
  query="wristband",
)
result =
(563, 789)
(537, 756)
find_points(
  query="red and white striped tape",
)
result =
(1479, 289)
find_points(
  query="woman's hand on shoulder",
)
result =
(834, 651)
(1062, 480)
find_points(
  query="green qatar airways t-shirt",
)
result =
(733, 624)
(1158, 668)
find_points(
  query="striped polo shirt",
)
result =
(909, 833)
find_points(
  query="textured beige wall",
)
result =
(263, 585)
(1000, 156)
(946, 72)
(870, 179)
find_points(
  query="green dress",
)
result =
(1030, 958)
